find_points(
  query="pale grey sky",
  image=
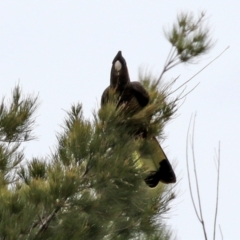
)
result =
(61, 49)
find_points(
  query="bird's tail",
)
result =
(155, 161)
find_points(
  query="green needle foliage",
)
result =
(188, 38)
(91, 187)
(16, 126)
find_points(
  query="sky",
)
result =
(62, 50)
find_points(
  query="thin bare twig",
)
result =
(181, 97)
(218, 174)
(196, 180)
(199, 71)
(199, 216)
(174, 63)
(189, 180)
(220, 231)
(170, 59)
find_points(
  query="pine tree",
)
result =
(92, 186)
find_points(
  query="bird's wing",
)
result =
(135, 93)
(140, 93)
(156, 163)
(105, 96)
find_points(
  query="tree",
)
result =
(91, 187)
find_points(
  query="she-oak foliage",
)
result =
(92, 186)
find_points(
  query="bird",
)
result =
(120, 82)
(135, 97)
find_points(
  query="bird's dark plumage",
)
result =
(120, 82)
(135, 98)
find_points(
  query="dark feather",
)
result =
(135, 97)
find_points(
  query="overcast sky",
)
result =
(62, 50)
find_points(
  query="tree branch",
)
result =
(220, 231)
(199, 216)
(196, 180)
(218, 174)
(43, 227)
(189, 180)
(199, 71)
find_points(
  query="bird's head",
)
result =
(119, 72)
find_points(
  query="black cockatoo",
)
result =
(134, 97)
